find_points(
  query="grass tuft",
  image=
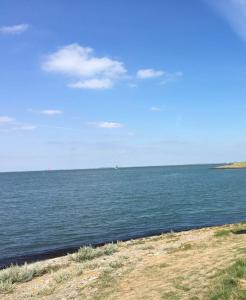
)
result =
(229, 284)
(226, 232)
(6, 287)
(106, 280)
(109, 249)
(16, 273)
(62, 276)
(89, 253)
(47, 290)
(222, 233)
(116, 264)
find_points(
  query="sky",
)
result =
(99, 83)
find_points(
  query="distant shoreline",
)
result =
(111, 168)
(236, 165)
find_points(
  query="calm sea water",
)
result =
(44, 212)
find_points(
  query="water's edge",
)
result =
(48, 254)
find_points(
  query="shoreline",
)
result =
(231, 166)
(60, 252)
(193, 264)
(112, 167)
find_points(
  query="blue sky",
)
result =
(87, 84)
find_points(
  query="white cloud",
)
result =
(79, 63)
(155, 108)
(51, 112)
(14, 29)
(107, 125)
(149, 73)
(6, 120)
(235, 12)
(165, 76)
(93, 84)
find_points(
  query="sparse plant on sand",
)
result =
(89, 253)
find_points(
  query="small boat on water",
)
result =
(116, 167)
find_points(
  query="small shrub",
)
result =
(47, 290)
(91, 265)
(15, 273)
(109, 249)
(106, 280)
(169, 296)
(19, 274)
(222, 233)
(62, 276)
(79, 270)
(116, 264)
(89, 253)
(6, 287)
(86, 253)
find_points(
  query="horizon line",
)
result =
(112, 167)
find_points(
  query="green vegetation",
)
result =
(116, 264)
(89, 253)
(222, 233)
(170, 296)
(62, 276)
(15, 274)
(239, 229)
(47, 289)
(18, 274)
(6, 287)
(230, 283)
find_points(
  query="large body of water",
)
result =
(55, 211)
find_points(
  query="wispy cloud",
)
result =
(24, 127)
(171, 77)
(235, 13)
(51, 112)
(14, 29)
(149, 73)
(106, 125)
(155, 108)
(164, 76)
(93, 84)
(88, 70)
(8, 124)
(6, 120)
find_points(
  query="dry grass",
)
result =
(200, 264)
(89, 253)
